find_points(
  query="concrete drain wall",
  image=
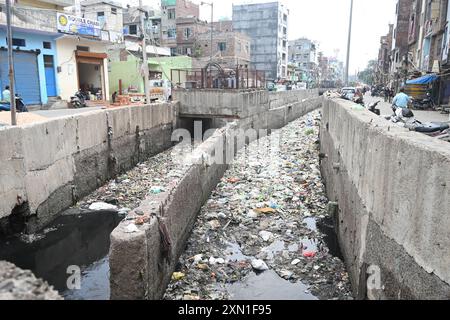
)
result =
(142, 262)
(393, 191)
(48, 166)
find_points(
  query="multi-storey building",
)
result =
(384, 57)
(35, 55)
(415, 32)
(230, 49)
(435, 19)
(267, 26)
(188, 29)
(171, 11)
(58, 52)
(400, 47)
(303, 55)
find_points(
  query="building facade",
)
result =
(171, 11)
(57, 52)
(303, 57)
(35, 49)
(230, 49)
(267, 26)
(400, 47)
(188, 30)
(384, 57)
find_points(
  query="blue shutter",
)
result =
(26, 75)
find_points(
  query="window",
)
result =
(172, 33)
(48, 61)
(284, 43)
(113, 10)
(133, 29)
(101, 17)
(18, 42)
(284, 31)
(222, 46)
(187, 33)
(47, 45)
(173, 51)
(171, 14)
(285, 17)
(81, 48)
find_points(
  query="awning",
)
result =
(427, 79)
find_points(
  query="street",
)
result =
(423, 116)
(41, 115)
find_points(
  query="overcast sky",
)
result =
(326, 21)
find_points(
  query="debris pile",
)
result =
(260, 219)
(126, 192)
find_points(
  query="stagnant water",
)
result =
(269, 285)
(74, 239)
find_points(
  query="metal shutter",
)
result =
(26, 75)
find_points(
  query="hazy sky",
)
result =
(326, 21)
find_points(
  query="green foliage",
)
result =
(368, 75)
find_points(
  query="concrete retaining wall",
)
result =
(393, 191)
(50, 165)
(234, 103)
(139, 267)
(282, 98)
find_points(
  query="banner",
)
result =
(77, 25)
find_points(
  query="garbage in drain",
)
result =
(271, 200)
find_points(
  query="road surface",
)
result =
(423, 116)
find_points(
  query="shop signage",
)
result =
(78, 26)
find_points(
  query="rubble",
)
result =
(125, 193)
(262, 218)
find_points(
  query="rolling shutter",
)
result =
(26, 75)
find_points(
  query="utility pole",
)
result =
(349, 44)
(211, 4)
(11, 63)
(144, 55)
(77, 8)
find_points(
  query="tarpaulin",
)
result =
(427, 79)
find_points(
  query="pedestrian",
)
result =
(6, 95)
(386, 94)
(114, 97)
(401, 100)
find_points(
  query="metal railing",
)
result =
(217, 78)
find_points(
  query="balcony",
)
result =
(31, 19)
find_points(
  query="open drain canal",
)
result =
(76, 238)
(263, 233)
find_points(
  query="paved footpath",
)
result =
(423, 116)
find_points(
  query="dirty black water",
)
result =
(76, 238)
(268, 286)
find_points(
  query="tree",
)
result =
(368, 75)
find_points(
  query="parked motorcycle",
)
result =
(405, 118)
(373, 108)
(78, 100)
(423, 104)
(20, 105)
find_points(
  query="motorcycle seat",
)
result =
(432, 127)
